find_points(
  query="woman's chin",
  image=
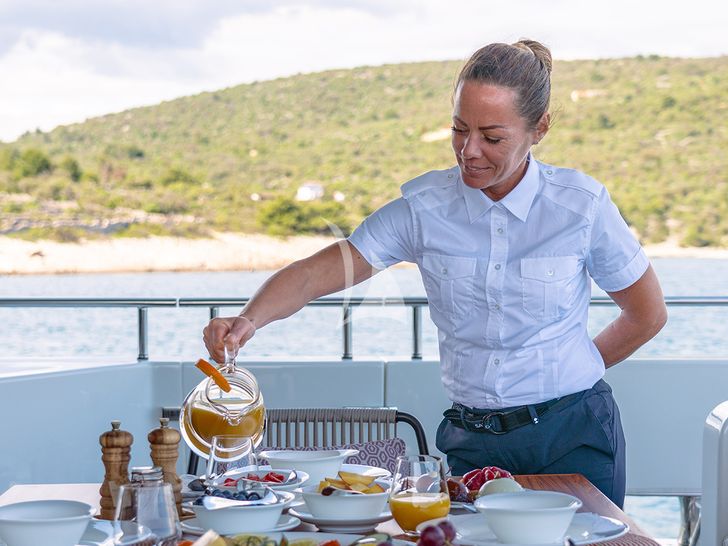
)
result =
(477, 183)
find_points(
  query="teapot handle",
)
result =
(231, 353)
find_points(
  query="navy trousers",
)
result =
(584, 436)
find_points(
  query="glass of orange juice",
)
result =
(419, 491)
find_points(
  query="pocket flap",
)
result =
(449, 267)
(549, 268)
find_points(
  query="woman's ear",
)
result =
(542, 127)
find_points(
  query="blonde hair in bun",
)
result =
(524, 67)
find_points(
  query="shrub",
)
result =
(284, 216)
(71, 166)
(32, 162)
(179, 176)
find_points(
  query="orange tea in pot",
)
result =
(209, 410)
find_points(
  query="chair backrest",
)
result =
(327, 427)
(713, 528)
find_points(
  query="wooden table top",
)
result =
(574, 484)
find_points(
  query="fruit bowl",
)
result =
(345, 505)
(46, 522)
(244, 518)
(227, 480)
(317, 464)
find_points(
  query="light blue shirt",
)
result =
(508, 282)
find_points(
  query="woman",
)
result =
(507, 247)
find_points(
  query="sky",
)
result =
(63, 61)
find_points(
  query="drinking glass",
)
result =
(150, 505)
(229, 452)
(418, 492)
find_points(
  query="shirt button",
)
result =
(500, 230)
(444, 270)
(550, 272)
(496, 307)
(496, 361)
(549, 172)
(449, 175)
(497, 266)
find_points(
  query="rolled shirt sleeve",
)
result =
(386, 236)
(615, 259)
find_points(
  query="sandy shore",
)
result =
(224, 252)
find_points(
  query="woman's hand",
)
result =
(230, 332)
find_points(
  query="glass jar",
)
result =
(209, 411)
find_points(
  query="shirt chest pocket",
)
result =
(449, 282)
(549, 285)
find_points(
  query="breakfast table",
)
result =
(574, 484)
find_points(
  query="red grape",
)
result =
(448, 529)
(431, 535)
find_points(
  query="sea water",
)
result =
(176, 333)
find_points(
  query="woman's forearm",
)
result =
(334, 268)
(643, 316)
(624, 336)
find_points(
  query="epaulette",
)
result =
(576, 179)
(428, 180)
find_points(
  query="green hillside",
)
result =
(653, 130)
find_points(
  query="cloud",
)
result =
(65, 61)
(157, 24)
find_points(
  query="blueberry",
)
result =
(198, 501)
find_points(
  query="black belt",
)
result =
(502, 421)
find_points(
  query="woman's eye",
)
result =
(491, 140)
(458, 130)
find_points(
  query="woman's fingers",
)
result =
(232, 332)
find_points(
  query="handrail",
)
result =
(345, 302)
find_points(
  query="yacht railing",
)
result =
(416, 303)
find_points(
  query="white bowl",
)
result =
(243, 519)
(364, 506)
(528, 517)
(302, 477)
(46, 522)
(317, 464)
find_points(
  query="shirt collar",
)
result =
(518, 201)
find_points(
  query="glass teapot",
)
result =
(209, 411)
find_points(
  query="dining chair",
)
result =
(373, 431)
(712, 527)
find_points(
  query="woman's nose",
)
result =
(470, 148)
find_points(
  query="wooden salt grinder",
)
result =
(164, 446)
(115, 454)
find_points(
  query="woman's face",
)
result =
(490, 139)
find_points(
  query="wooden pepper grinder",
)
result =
(115, 454)
(164, 446)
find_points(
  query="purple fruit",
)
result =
(448, 530)
(431, 535)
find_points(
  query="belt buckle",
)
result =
(487, 424)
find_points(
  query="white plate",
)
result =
(347, 525)
(344, 539)
(585, 528)
(101, 533)
(373, 471)
(302, 477)
(286, 521)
